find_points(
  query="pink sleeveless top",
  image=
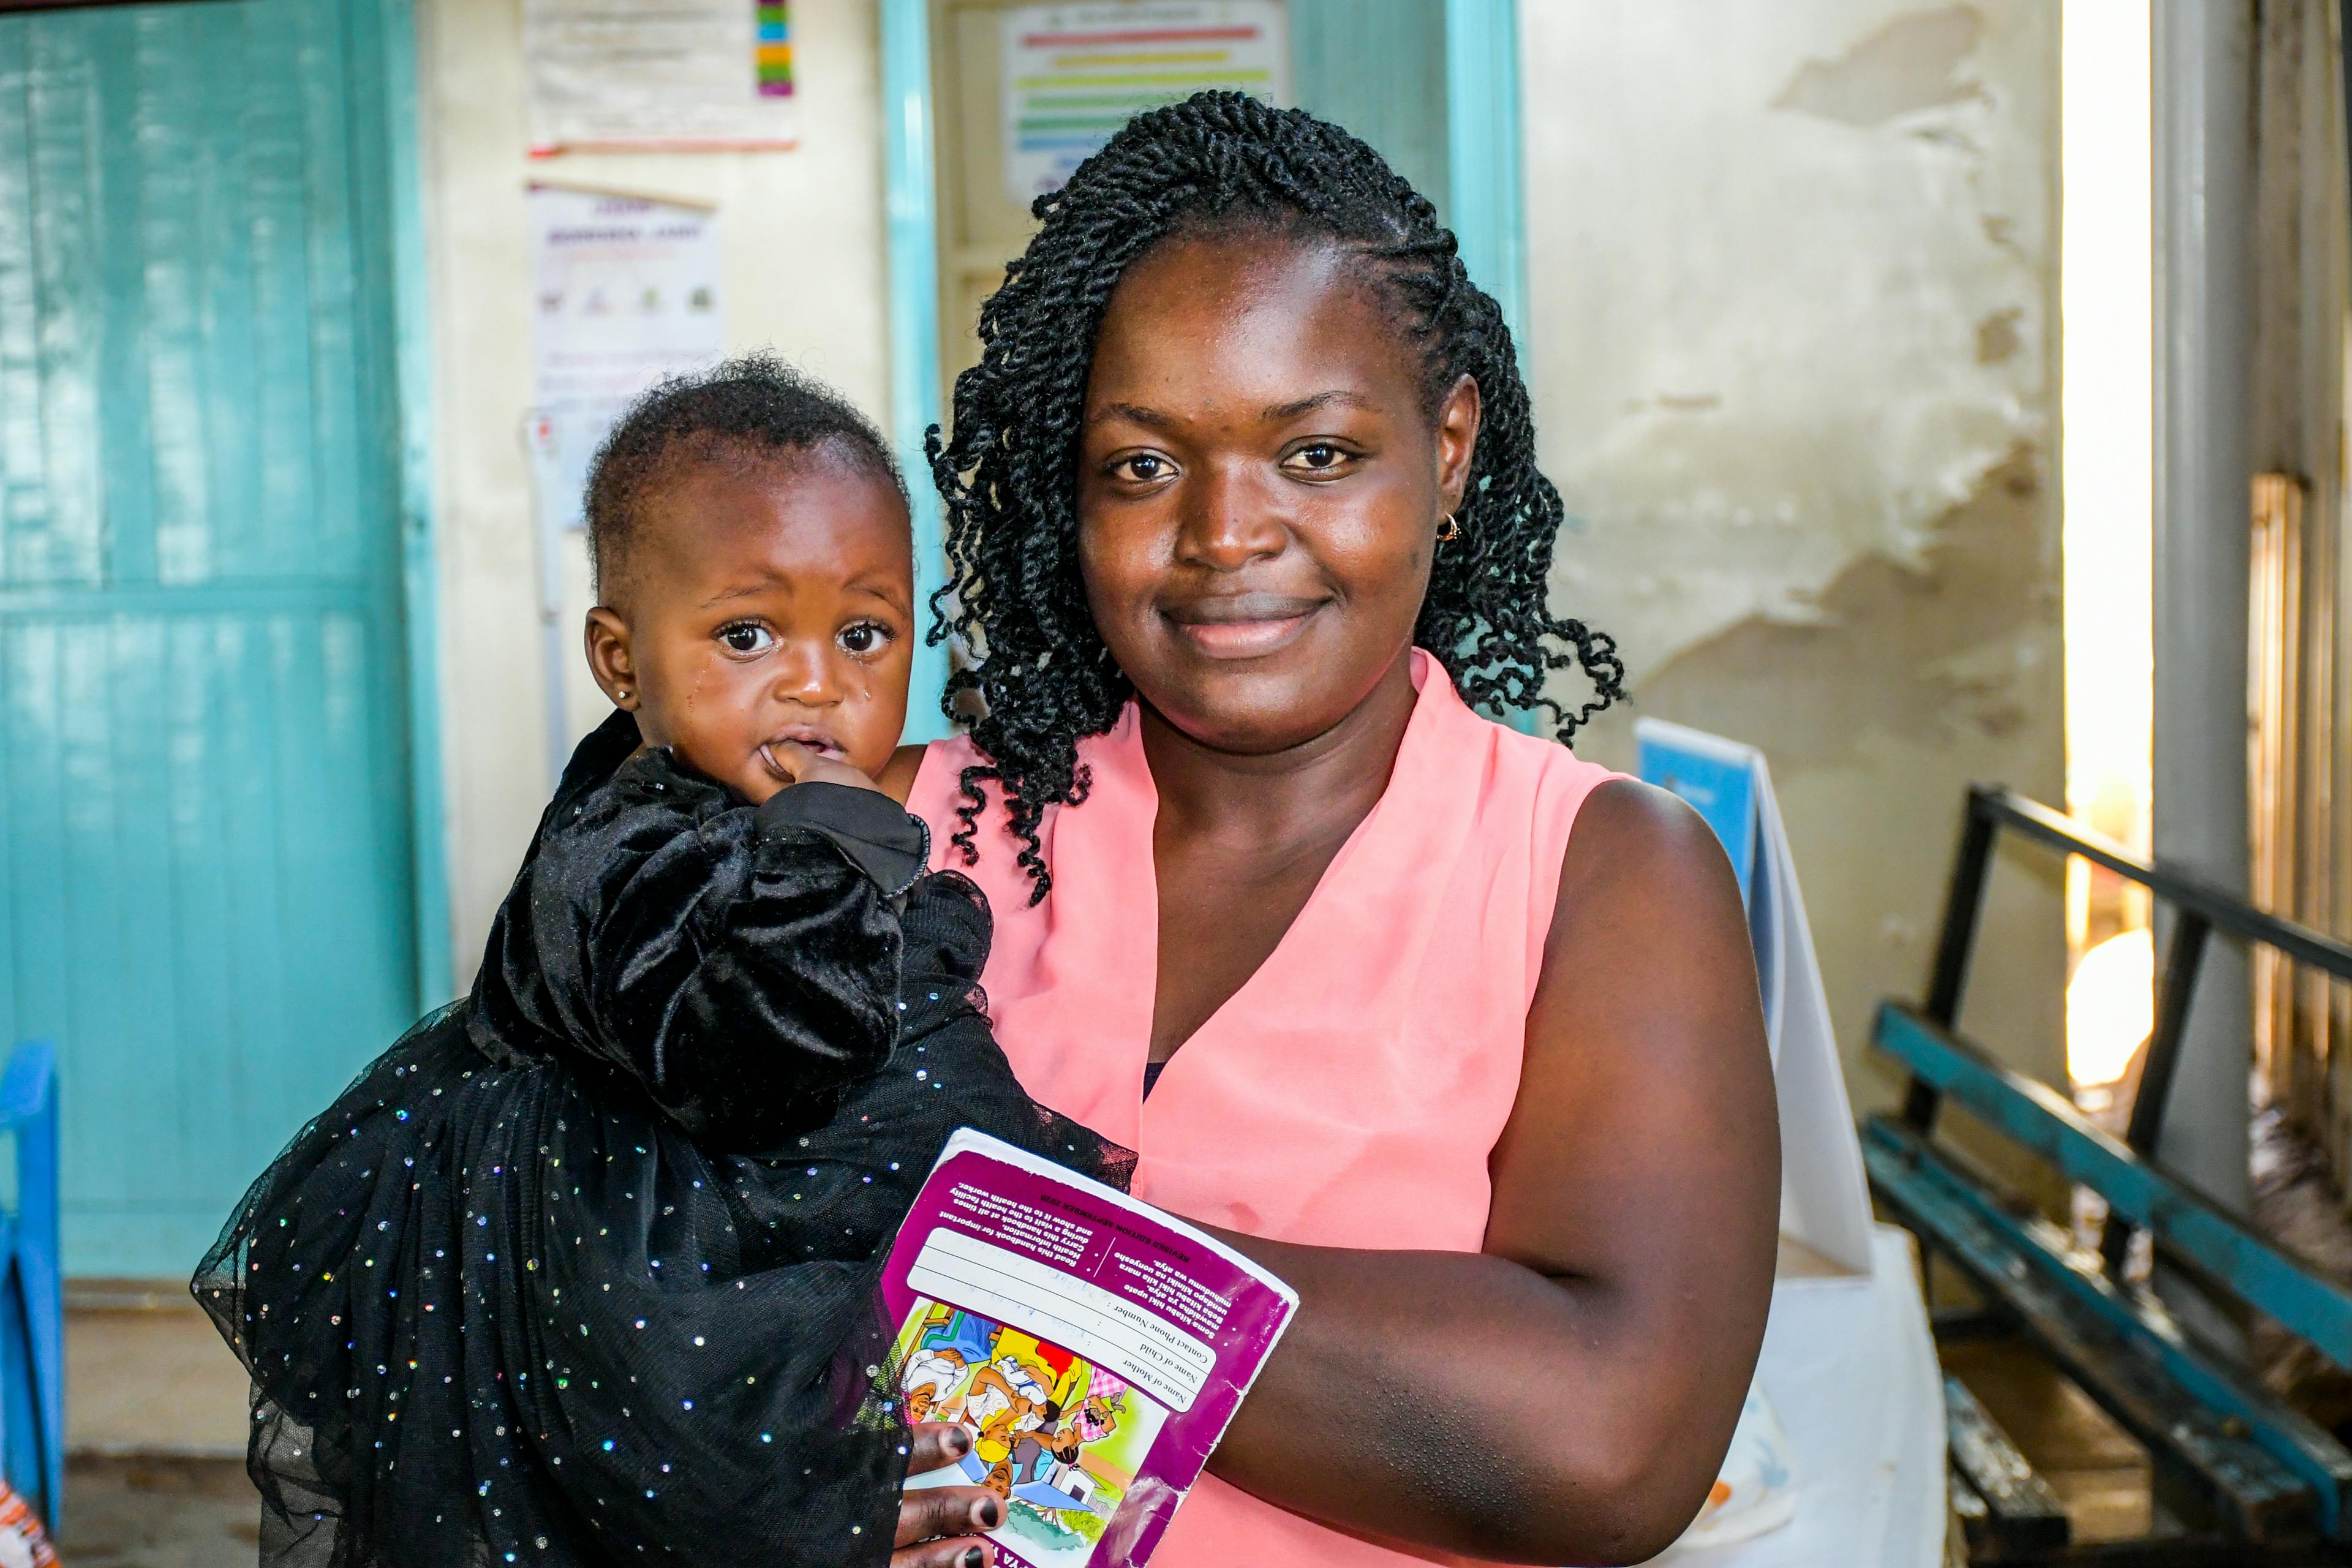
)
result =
(1349, 1094)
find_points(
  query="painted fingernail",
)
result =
(959, 1442)
(974, 1558)
(991, 1514)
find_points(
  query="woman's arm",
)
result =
(1567, 1394)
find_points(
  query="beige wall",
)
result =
(805, 272)
(1792, 351)
(1793, 359)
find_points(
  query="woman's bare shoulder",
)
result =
(1633, 840)
(1648, 949)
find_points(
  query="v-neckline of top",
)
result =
(1134, 772)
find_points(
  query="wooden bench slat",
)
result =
(2019, 1510)
(2042, 1120)
(2108, 1352)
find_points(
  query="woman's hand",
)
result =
(940, 1527)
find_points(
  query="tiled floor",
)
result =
(144, 1379)
(146, 1375)
(159, 1513)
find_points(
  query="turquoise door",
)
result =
(206, 822)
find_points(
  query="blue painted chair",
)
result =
(32, 1295)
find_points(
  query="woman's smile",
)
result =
(1242, 626)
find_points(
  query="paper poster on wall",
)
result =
(659, 75)
(1074, 74)
(625, 293)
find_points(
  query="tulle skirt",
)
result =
(505, 1314)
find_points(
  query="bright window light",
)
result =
(2107, 409)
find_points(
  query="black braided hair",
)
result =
(752, 407)
(1215, 162)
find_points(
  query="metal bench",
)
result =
(2248, 1478)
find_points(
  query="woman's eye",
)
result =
(864, 638)
(747, 636)
(1143, 467)
(1318, 457)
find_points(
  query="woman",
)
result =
(1493, 1096)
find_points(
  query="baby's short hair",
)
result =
(749, 407)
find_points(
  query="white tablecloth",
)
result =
(1850, 1367)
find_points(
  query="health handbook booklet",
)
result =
(1093, 1346)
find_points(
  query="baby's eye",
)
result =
(864, 638)
(747, 636)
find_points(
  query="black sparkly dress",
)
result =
(582, 1270)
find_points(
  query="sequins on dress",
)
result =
(581, 1270)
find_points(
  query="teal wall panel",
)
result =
(390, 214)
(1484, 140)
(207, 887)
(1434, 85)
(1382, 74)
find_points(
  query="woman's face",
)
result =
(1260, 487)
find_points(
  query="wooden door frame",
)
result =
(1488, 201)
(11, 7)
(401, 202)
(910, 182)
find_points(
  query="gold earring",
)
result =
(1449, 531)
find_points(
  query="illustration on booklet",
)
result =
(1059, 1438)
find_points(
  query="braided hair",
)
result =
(1215, 162)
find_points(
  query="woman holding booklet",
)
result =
(1459, 1034)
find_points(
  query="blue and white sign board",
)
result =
(1847, 1402)
(1717, 778)
(1824, 1198)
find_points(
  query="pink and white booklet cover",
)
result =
(1093, 1346)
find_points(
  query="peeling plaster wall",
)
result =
(1793, 353)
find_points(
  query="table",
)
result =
(1850, 1367)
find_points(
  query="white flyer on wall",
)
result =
(1074, 74)
(626, 293)
(659, 75)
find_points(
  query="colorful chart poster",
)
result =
(775, 49)
(659, 75)
(1074, 74)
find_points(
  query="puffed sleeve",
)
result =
(873, 832)
(742, 966)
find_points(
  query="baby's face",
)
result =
(766, 602)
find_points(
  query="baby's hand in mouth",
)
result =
(793, 763)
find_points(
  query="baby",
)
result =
(583, 1269)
